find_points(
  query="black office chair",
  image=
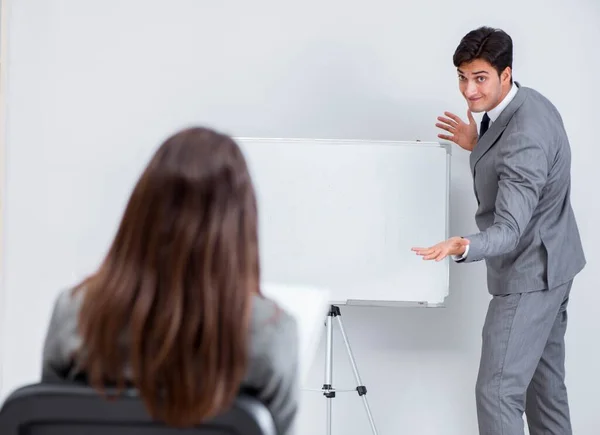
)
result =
(58, 409)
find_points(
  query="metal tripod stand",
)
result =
(328, 390)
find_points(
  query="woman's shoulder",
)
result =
(69, 300)
(62, 337)
(273, 360)
(266, 313)
(65, 312)
(270, 326)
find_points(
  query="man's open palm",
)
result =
(452, 246)
(462, 134)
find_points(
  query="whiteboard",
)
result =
(344, 214)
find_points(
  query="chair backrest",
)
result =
(57, 409)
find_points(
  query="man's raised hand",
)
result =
(462, 134)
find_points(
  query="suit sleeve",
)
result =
(522, 174)
(61, 340)
(280, 391)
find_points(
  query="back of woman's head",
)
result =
(171, 302)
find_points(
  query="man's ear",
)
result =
(506, 75)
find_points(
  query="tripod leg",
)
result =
(327, 386)
(361, 389)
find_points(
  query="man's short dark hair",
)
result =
(492, 45)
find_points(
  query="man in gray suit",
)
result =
(528, 237)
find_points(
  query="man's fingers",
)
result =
(441, 255)
(427, 253)
(432, 256)
(430, 253)
(450, 122)
(445, 127)
(453, 116)
(446, 137)
(470, 116)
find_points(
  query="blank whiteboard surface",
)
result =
(344, 214)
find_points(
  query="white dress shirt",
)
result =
(493, 114)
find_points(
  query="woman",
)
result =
(180, 289)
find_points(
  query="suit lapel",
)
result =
(491, 136)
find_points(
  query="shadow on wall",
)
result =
(353, 90)
(327, 89)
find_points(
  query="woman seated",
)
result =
(175, 309)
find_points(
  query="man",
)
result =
(528, 238)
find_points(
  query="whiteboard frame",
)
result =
(416, 143)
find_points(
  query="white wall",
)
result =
(363, 70)
(3, 44)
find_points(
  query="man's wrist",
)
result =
(461, 257)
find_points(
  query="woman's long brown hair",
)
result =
(170, 304)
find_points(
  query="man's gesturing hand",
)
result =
(462, 134)
(452, 246)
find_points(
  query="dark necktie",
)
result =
(485, 124)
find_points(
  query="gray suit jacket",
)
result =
(272, 366)
(521, 171)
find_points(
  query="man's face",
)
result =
(481, 86)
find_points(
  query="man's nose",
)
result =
(471, 89)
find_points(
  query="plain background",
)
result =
(363, 70)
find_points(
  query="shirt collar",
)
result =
(496, 111)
